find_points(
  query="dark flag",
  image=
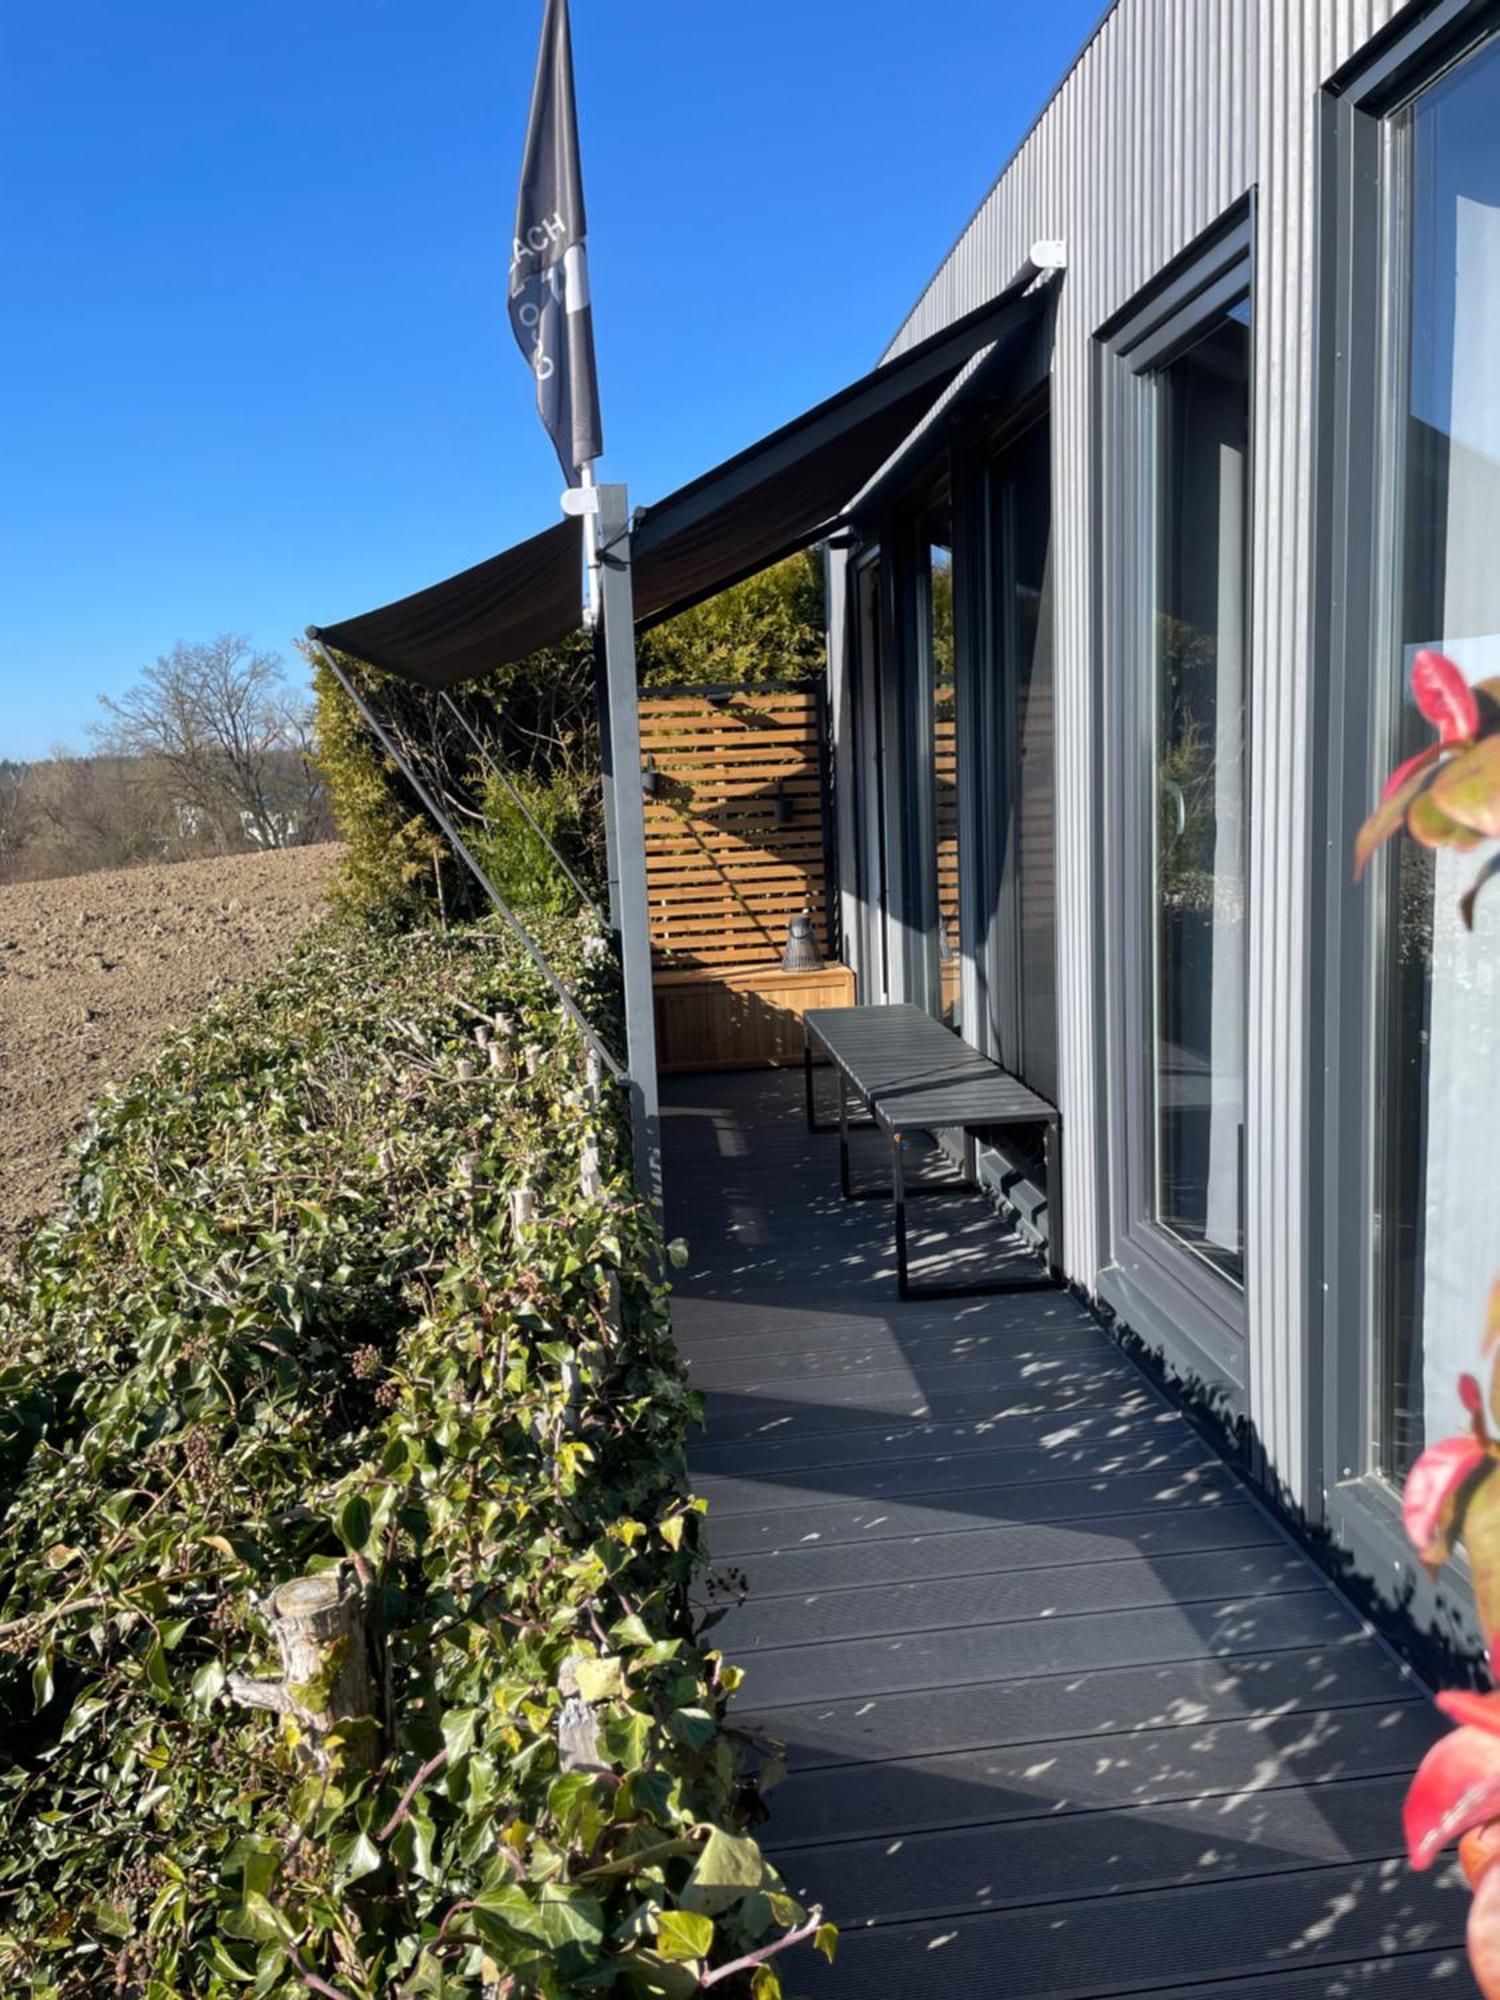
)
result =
(549, 274)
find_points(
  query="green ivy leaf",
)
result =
(356, 1856)
(460, 1726)
(352, 1521)
(507, 1912)
(599, 1680)
(682, 1935)
(729, 1867)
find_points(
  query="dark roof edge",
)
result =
(888, 351)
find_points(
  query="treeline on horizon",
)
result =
(214, 752)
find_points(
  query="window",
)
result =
(1197, 1046)
(1438, 986)
(1175, 409)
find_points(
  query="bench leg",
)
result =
(1046, 1280)
(898, 1192)
(807, 1080)
(1053, 1144)
(844, 1186)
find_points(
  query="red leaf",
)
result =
(1484, 1934)
(1432, 1486)
(1444, 697)
(1457, 1786)
(1410, 769)
(1477, 1711)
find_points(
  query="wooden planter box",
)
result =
(746, 1018)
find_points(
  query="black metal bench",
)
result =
(913, 1075)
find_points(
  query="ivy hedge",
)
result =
(293, 1322)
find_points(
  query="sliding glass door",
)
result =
(1197, 968)
(1177, 410)
(1437, 982)
(1410, 1052)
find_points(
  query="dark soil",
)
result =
(95, 969)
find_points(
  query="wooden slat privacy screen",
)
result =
(723, 875)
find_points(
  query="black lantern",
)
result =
(801, 954)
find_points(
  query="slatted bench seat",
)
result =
(913, 1075)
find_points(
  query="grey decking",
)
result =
(1065, 1714)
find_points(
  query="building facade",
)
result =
(1119, 658)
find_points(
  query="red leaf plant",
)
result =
(1447, 795)
(1453, 1496)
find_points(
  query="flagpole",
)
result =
(552, 317)
(590, 550)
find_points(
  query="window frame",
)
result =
(1364, 180)
(1168, 1293)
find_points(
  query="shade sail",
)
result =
(484, 617)
(778, 496)
(790, 489)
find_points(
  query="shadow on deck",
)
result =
(1065, 1713)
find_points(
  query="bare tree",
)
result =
(215, 721)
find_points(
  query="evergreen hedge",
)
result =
(289, 1323)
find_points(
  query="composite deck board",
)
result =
(1023, 1596)
(1066, 1716)
(878, 1558)
(783, 1452)
(1225, 1761)
(1116, 1704)
(1018, 1863)
(1103, 1478)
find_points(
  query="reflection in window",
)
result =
(1439, 1062)
(1198, 1057)
(940, 683)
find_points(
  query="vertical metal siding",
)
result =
(1173, 112)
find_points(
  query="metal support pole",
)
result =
(625, 810)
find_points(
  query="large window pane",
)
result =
(1439, 1075)
(1198, 863)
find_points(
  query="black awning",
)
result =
(501, 610)
(793, 487)
(764, 503)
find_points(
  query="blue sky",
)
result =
(256, 365)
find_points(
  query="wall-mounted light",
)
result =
(649, 778)
(781, 804)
